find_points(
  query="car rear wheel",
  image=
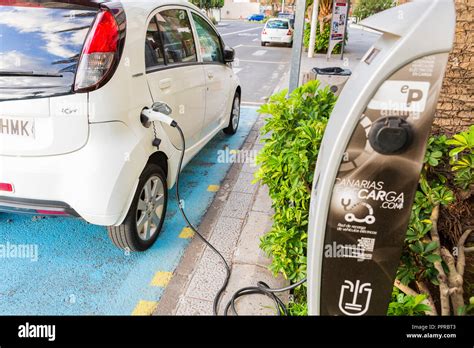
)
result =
(144, 220)
(264, 43)
(234, 116)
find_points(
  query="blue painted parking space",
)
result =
(72, 268)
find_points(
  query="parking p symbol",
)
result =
(414, 95)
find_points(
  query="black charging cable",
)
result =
(261, 288)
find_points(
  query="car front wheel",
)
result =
(234, 116)
(144, 220)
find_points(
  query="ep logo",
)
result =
(413, 95)
(397, 98)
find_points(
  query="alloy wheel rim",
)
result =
(150, 208)
(236, 113)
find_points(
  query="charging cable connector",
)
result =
(155, 115)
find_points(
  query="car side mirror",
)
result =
(229, 54)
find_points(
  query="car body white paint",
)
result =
(90, 148)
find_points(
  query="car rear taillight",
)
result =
(51, 212)
(98, 53)
(288, 33)
(264, 32)
(6, 187)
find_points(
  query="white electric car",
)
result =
(277, 30)
(75, 79)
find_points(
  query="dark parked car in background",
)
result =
(256, 17)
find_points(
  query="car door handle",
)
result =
(165, 83)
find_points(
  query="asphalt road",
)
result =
(65, 266)
(259, 68)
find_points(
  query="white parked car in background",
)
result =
(75, 77)
(277, 30)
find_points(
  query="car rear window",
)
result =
(40, 45)
(277, 24)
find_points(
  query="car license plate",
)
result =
(17, 127)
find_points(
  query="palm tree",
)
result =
(324, 14)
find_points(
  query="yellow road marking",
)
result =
(161, 279)
(145, 308)
(186, 233)
(213, 188)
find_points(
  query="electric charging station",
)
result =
(371, 157)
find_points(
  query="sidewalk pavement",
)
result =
(240, 214)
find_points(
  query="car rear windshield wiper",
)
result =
(28, 73)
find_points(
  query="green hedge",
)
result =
(287, 160)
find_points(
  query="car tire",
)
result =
(264, 43)
(290, 44)
(234, 116)
(146, 215)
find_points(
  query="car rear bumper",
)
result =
(30, 206)
(95, 183)
(281, 39)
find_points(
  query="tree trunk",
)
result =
(456, 103)
(325, 8)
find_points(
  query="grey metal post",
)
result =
(297, 45)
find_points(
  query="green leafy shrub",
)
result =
(295, 129)
(462, 157)
(208, 4)
(322, 39)
(448, 167)
(402, 304)
(367, 8)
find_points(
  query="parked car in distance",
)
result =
(290, 16)
(277, 30)
(256, 17)
(73, 140)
